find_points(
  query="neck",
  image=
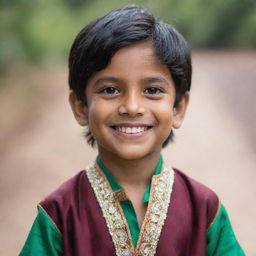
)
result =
(131, 173)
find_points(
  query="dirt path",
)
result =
(216, 145)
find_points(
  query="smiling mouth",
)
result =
(131, 129)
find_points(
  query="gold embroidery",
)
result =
(160, 194)
(120, 195)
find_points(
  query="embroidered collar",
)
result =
(159, 200)
(116, 186)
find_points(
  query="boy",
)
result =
(129, 76)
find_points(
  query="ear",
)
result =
(180, 111)
(79, 109)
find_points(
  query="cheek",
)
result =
(99, 114)
(95, 113)
(164, 112)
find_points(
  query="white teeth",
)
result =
(130, 130)
(134, 130)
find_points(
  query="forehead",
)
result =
(144, 50)
(135, 62)
(142, 53)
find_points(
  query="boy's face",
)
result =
(130, 104)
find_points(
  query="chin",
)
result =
(134, 153)
(132, 156)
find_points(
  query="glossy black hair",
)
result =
(98, 41)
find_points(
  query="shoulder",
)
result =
(64, 197)
(66, 191)
(196, 188)
(202, 199)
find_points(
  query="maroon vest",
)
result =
(74, 209)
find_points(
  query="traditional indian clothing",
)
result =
(91, 214)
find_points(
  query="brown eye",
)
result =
(153, 90)
(109, 90)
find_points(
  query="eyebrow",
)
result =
(108, 79)
(155, 80)
(145, 80)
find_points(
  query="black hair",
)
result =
(98, 41)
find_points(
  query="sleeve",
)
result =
(44, 238)
(221, 240)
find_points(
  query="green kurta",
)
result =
(45, 239)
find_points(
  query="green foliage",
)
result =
(43, 30)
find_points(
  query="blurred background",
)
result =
(41, 145)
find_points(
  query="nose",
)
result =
(132, 105)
